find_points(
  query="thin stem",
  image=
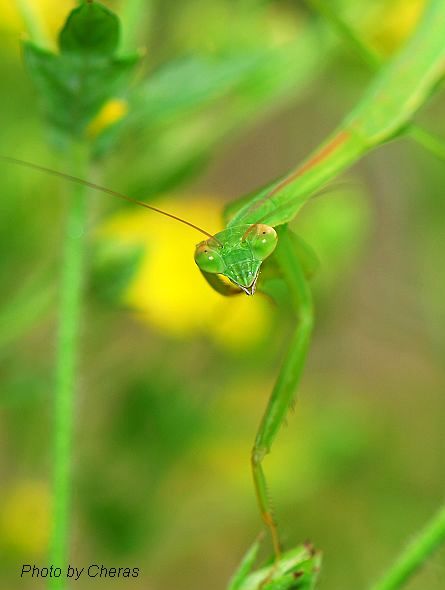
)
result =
(366, 53)
(427, 541)
(66, 364)
(133, 15)
(435, 145)
(33, 23)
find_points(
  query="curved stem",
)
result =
(66, 363)
(427, 541)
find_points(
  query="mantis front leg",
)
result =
(288, 378)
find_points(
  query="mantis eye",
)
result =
(263, 239)
(208, 258)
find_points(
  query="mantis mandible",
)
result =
(256, 251)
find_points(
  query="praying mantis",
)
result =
(257, 252)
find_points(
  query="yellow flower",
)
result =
(51, 13)
(110, 113)
(24, 517)
(168, 290)
(394, 24)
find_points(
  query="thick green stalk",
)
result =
(426, 542)
(66, 364)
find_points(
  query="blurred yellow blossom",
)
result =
(52, 14)
(168, 290)
(24, 517)
(394, 23)
(110, 113)
(9, 17)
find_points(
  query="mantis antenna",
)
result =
(102, 189)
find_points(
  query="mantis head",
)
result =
(237, 253)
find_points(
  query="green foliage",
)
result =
(92, 30)
(297, 569)
(114, 267)
(75, 83)
(191, 104)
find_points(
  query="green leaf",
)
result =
(245, 567)
(90, 29)
(189, 105)
(74, 84)
(297, 569)
(114, 267)
(242, 79)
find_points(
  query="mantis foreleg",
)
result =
(288, 378)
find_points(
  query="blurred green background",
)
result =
(173, 378)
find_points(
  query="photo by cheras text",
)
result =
(92, 571)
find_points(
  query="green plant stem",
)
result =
(133, 15)
(435, 145)
(427, 541)
(374, 61)
(33, 23)
(66, 363)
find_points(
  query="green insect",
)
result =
(239, 253)
(258, 252)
